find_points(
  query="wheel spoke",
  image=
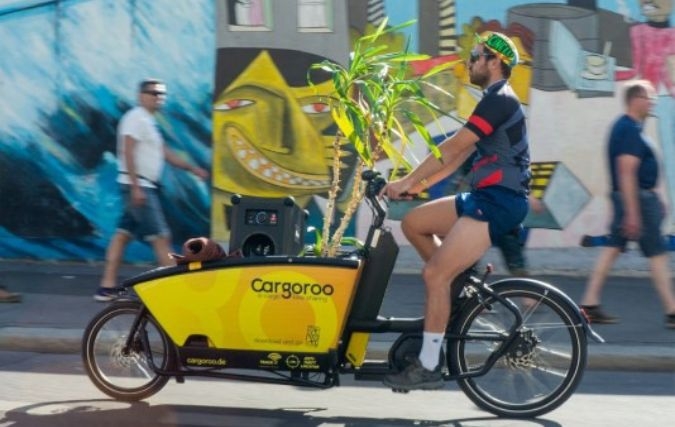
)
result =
(549, 370)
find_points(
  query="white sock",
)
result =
(431, 347)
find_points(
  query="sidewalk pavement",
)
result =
(57, 304)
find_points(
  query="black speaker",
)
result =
(261, 227)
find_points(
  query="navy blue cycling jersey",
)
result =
(626, 138)
(503, 151)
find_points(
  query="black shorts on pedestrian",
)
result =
(145, 222)
(651, 240)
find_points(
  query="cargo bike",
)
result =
(517, 347)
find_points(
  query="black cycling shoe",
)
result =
(415, 377)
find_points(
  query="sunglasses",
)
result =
(154, 92)
(475, 55)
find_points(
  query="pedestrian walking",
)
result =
(637, 209)
(141, 154)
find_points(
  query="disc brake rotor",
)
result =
(522, 353)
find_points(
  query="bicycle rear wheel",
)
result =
(540, 370)
(126, 375)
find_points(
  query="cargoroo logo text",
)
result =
(288, 289)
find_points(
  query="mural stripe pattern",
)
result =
(448, 32)
(376, 11)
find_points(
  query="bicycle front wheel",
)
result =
(126, 374)
(543, 366)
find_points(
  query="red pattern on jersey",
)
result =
(481, 124)
(492, 179)
(484, 161)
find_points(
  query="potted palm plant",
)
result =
(373, 102)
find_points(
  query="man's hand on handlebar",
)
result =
(400, 189)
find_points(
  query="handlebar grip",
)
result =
(369, 174)
(374, 187)
(374, 183)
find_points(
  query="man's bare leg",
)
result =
(442, 265)
(423, 234)
(660, 272)
(113, 259)
(462, 246)
(162, 247)
(597, 279)
(465, 244)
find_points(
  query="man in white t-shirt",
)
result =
(141, 154)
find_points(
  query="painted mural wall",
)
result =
(240, 105)
(69, 70)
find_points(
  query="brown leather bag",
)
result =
(199, 249)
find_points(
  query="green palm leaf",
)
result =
(372, 95)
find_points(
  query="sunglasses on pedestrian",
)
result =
(154, 92)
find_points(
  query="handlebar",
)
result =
(374, 185)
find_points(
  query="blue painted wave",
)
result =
(69, 71)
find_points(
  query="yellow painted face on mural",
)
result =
(269, 137)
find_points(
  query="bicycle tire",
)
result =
(125, 377)
(539, 372)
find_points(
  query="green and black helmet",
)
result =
(501, 46)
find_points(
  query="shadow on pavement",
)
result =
(96, 413)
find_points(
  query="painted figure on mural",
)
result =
(272, 132)
(653, 45)
(653, 50)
